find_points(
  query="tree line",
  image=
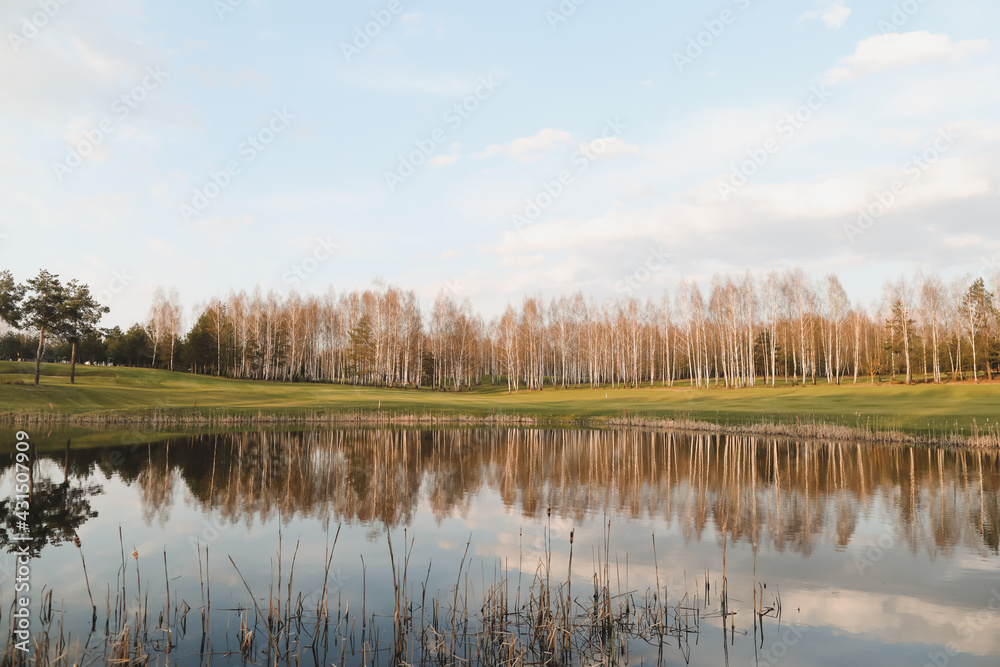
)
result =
(743, 331)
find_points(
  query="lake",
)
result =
(501, 546)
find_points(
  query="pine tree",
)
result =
(10, 299)
(43, 310)
(80, 316)
(361, 348)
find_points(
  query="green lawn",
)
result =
(916, 409)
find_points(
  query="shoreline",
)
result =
(229, 417)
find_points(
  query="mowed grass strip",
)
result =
(923, 408)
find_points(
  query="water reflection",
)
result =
(55, 511)
(892, 548)
(784, 494)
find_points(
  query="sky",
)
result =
(494, 150)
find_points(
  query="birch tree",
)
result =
(932, 295)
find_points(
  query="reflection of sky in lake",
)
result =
(880, 555)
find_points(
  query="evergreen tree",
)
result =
(199, 349)
(10, 299)
(81, 313)
(360, 352)
(43, 310)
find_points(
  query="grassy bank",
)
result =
(105, 396)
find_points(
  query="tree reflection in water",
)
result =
(762, 494)
(56, 512)
(784, 494)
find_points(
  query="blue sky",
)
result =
(508, 99)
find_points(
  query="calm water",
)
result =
(877, 555)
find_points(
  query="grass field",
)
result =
(922, 409)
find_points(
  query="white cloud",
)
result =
(965, 241)
(945, 180)
(880, 53)
(530, 149)
(60, 71)
(802, 213)
(834, 14)
(446, 159)
(603, 148)
(891, 618)
(159, 190)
